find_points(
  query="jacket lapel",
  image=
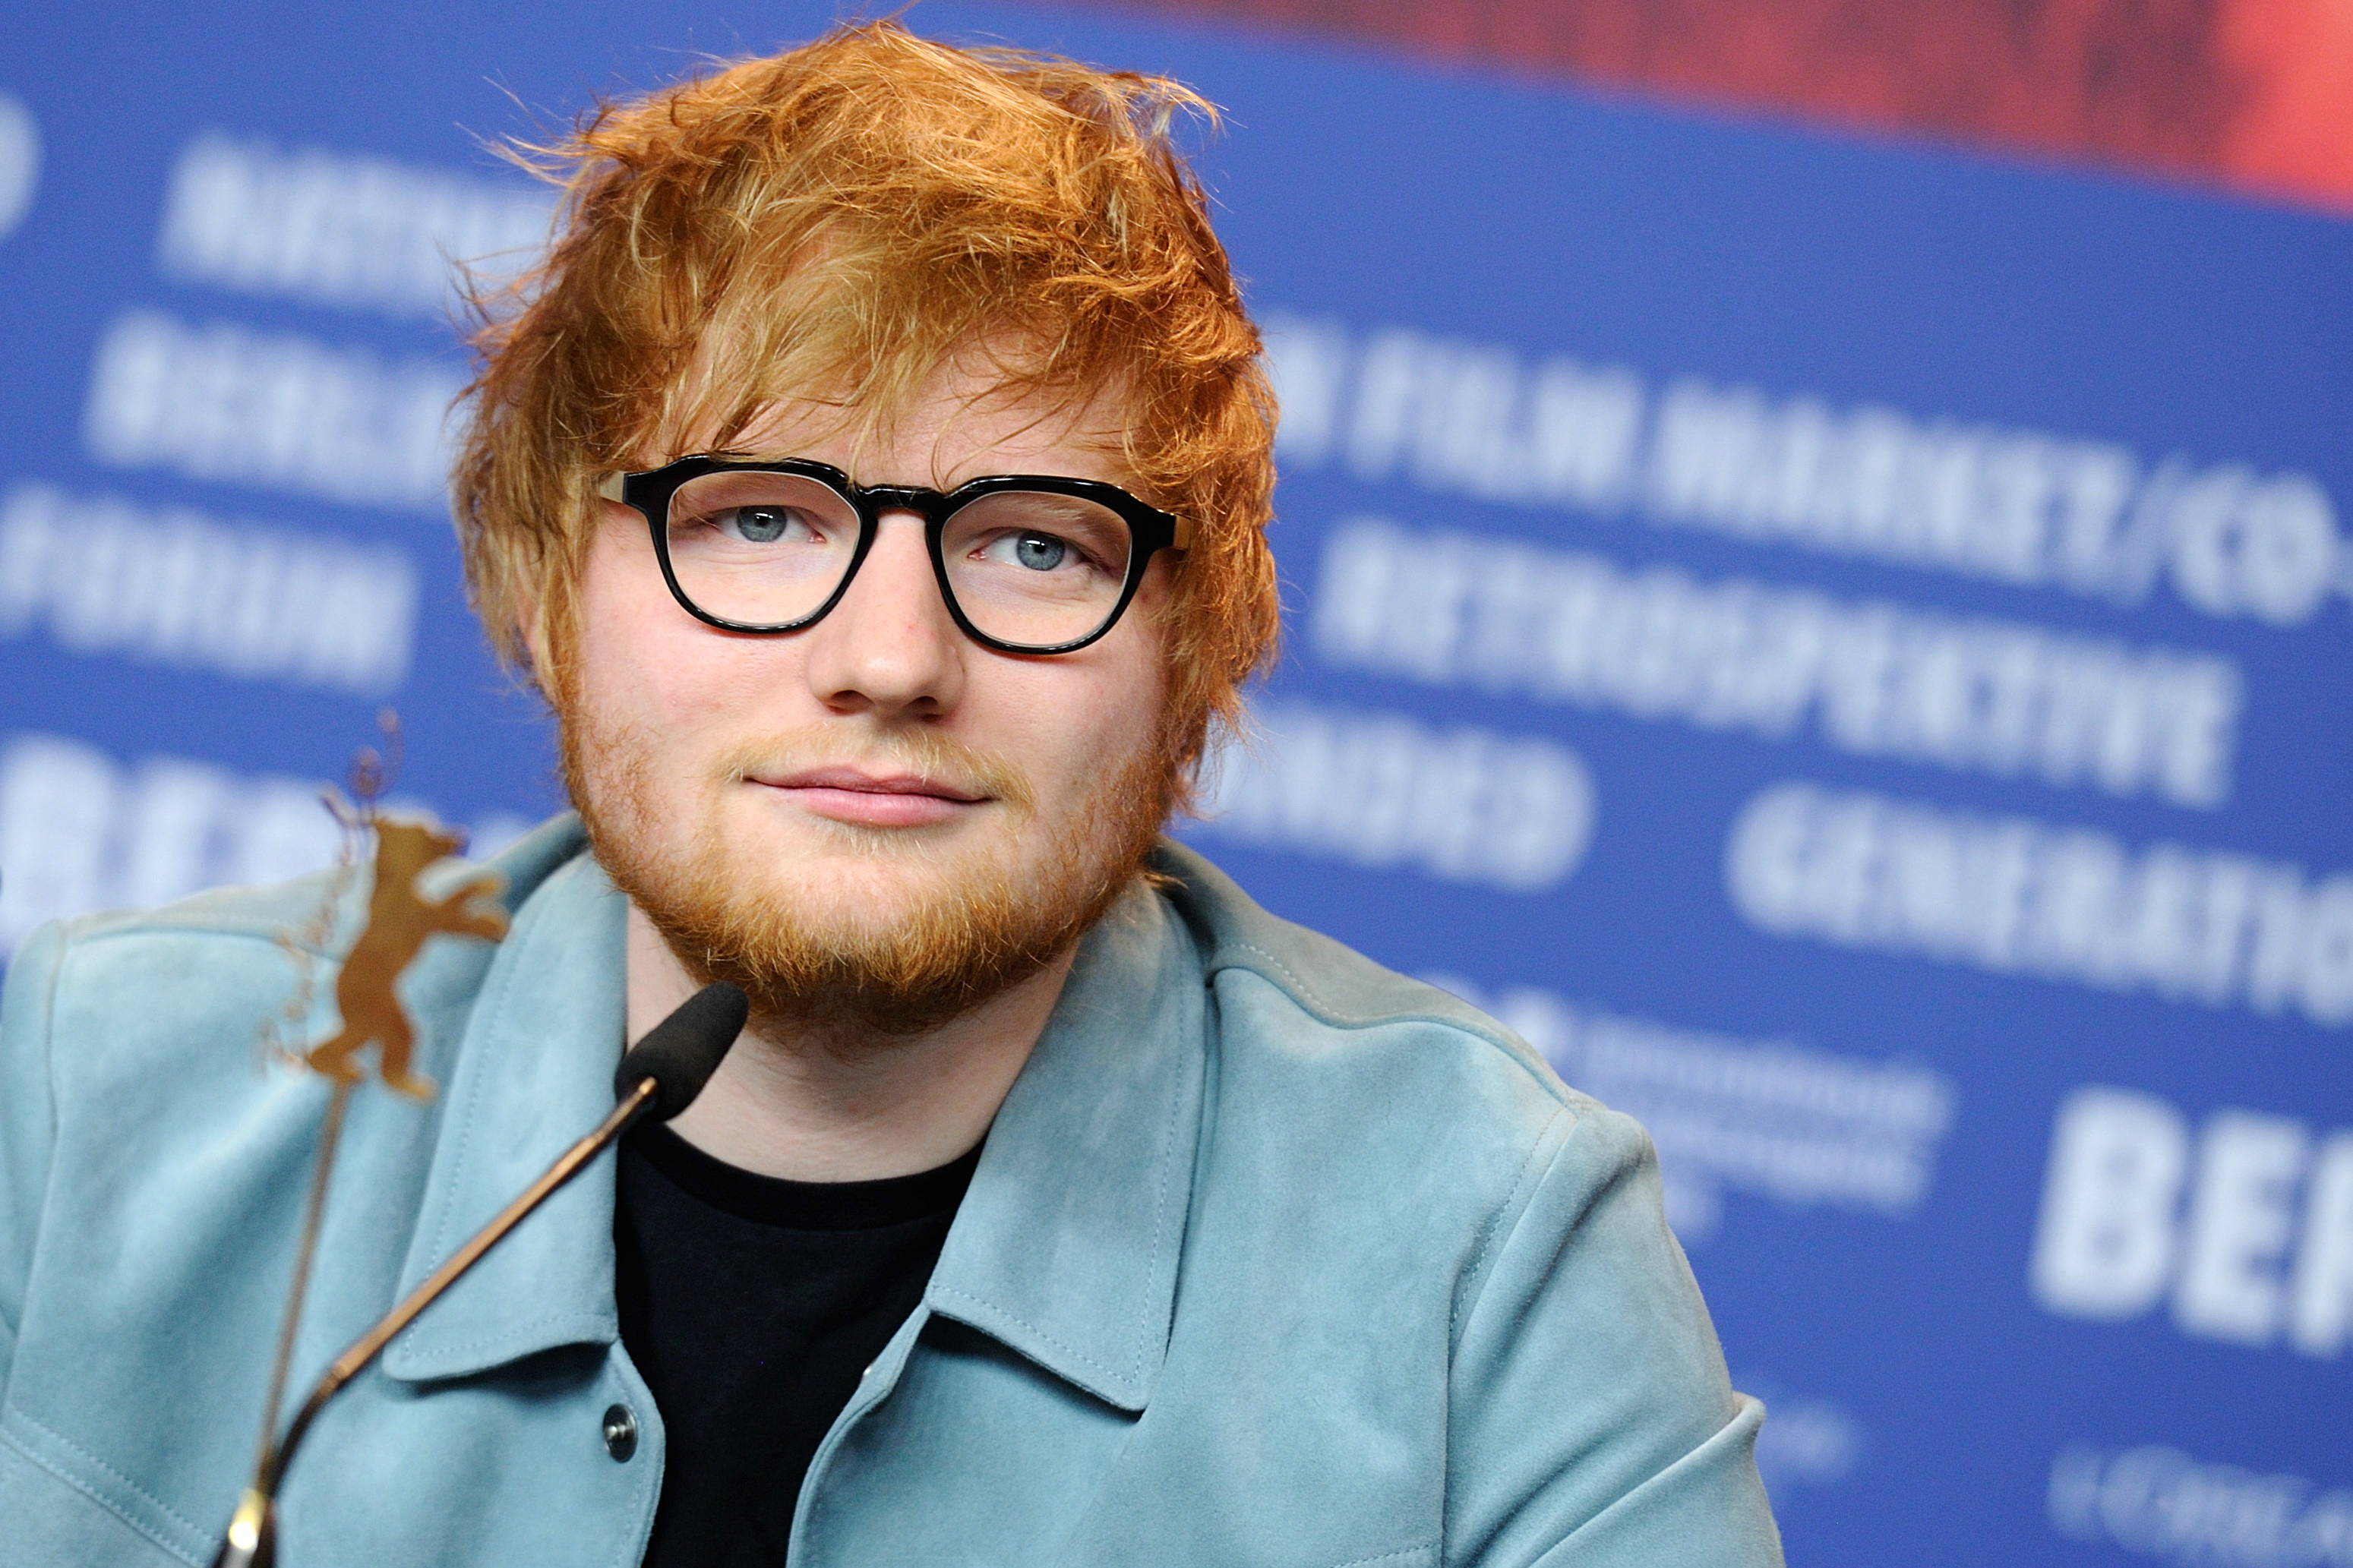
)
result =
(1066, 1247)
(533, 1072)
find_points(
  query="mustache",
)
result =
(936, 757)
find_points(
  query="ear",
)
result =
(531, 631)
(554, 582)
(529, 612)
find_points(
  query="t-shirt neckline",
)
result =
(804, 1205)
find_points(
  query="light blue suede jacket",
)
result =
(1273, 1257)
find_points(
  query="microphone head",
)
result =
(681, 1052)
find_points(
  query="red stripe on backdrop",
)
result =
(2256, 95)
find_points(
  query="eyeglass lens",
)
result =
(1025, 567)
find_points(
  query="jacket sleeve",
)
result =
(1591, 1421)
(27, 1122)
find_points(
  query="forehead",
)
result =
(962, 421)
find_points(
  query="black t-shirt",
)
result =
(752, 1306)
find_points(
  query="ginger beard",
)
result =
(918, 933)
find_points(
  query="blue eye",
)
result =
(1040, 551)
(763, 524)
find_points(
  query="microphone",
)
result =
(658, 1077)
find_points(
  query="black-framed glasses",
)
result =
(1028, 564)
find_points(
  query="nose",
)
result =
(889, 647)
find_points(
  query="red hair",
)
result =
(831, 226)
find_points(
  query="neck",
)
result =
(801, 1105)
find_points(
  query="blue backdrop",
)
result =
(1842, 646)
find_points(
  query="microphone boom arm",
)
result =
(662, 1075)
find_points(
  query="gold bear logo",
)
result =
(397, 924)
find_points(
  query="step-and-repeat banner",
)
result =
(1844, 648)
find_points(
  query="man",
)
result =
(874, 482)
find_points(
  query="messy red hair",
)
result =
(832, 225)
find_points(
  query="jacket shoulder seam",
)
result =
(74, 940)
(1301, 990)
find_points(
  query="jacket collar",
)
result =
(1067, 1243)
(534, 1071)
(1066, 1247)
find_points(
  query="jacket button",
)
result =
(620, 1433)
